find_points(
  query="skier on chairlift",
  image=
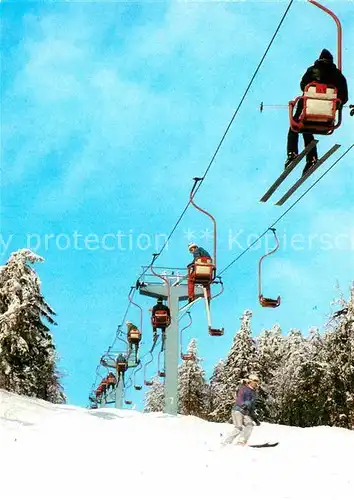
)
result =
(323, 71)
(159, 306)
(199, 254)
(133, 336)
(111, 381)
(243, 412)
(122, 366)
(104, 385)
(99, 392)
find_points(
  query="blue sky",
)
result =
(108, 112)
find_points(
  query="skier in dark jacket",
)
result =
(243, 413)
(323, 71)
(111, 381)
(160, 306)
(122, 366)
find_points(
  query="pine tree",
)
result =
(284, 384)
(241, 360)
(193, 390)
(217, 391)
(298, 386)
(339, 354)
(27, 353)
(310, 395)
(270, 350)
(154, 398)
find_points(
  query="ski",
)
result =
(288, 171)
(264, 445)
(307, 175)
(190, 304)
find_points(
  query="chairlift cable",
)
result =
(286, 212)
(229, 125)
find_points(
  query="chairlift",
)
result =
(204, 270)
(267, 302)
(186, 356)
(321, 110)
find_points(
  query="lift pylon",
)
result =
(178, 291)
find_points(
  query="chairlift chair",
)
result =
(320, 102)
(204, 269)
(161, 373)
(265, 301)
(137, 387)
(160, 319)
(214, 332)
(122, 366)
(186, 356)
(134, 335)
(319, 110)
(147, 382)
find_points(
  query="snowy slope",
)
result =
(63, 452)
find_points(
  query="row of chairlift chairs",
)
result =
(204, 276)
(321, 114)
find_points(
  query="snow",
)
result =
(62, 452)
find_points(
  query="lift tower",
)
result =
(178, 292)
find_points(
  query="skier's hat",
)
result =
(252, 377)
(192, 245)
(326, 56)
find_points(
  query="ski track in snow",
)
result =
(63, 452)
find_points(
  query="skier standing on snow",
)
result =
(243, 413)
(323, 71)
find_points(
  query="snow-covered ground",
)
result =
(64, 452)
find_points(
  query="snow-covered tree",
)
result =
(297, 388)
(270, 350)
(155, 396)
(283, 386)
(217, 391)
(311, 388)
(27, 353)
(339, 354)
(193, 390)
(241, 360)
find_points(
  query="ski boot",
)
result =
(309, 164)
(291, 157)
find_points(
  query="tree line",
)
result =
(305, 380)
